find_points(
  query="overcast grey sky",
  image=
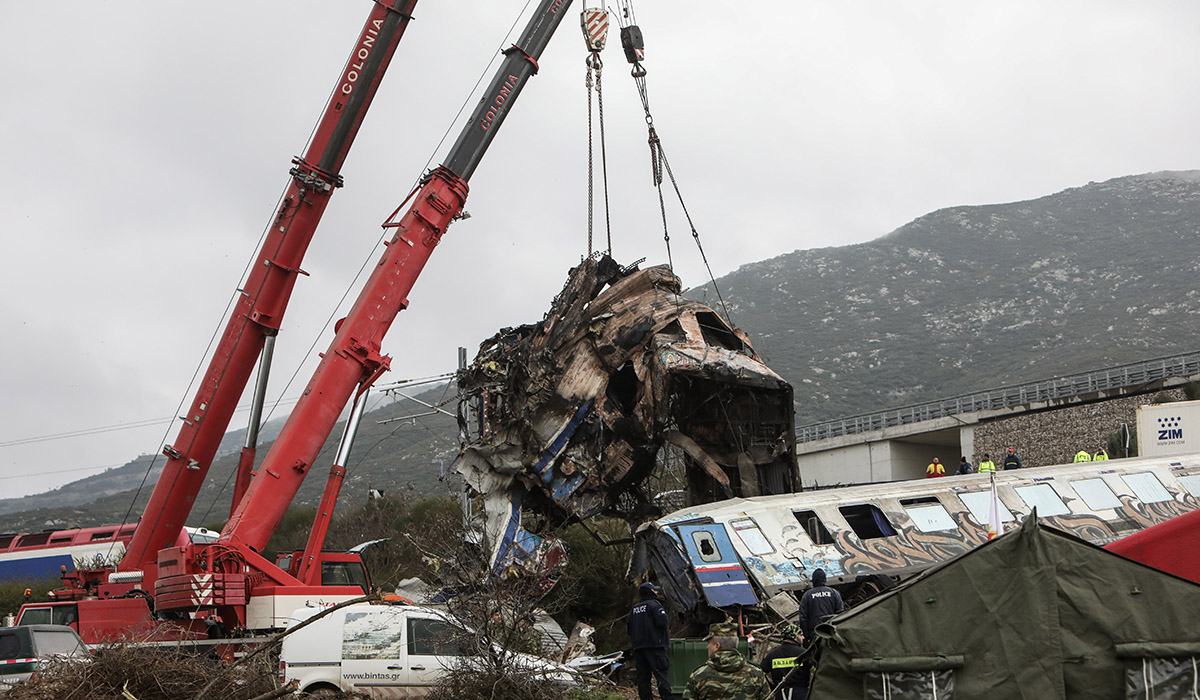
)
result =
(145, 145)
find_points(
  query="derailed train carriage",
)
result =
(572, 417)
(719, 558)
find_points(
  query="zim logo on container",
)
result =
(1168, 429)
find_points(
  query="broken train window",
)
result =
(716, 333)
(867, 521)
(706, 546)
(743, 429)
(1147, 487)
(909, 685)
(623, 388)
(813, 526)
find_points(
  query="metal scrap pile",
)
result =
(569, 416)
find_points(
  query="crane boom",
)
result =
(264, 296)
(354, 358)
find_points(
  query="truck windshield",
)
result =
(49, 615)
(344, 573)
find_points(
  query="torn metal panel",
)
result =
(573, 415)
(659, 549)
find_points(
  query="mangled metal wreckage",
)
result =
(624, 386)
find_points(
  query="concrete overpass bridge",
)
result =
(898, 443)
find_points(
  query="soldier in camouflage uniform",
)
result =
(726, 675)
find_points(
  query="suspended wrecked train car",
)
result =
(715, 558)
(571, 416)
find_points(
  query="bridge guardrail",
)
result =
(1120, 376)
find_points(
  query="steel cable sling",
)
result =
(634, 46)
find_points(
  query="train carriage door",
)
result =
(718, 570)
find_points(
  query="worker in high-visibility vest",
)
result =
(1100, 456)
(1083, 456)
(987, 465)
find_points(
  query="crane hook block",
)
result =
(634, 45)
(595, 28)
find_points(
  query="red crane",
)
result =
(228, 583)
(106, 604)
(264, 295)
(229, 576)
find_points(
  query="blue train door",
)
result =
(717, 568)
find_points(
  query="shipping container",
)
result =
(1166, 429)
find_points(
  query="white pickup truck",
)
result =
(383, 651)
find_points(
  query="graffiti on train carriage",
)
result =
(892, 530)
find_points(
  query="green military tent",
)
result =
(1036, 614)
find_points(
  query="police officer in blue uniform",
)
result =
(818, 604)
(648, 627)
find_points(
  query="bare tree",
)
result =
(501, 654)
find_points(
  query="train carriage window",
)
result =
(980, 505)
(1044, 498)
(813, 526)
(103, 535)
(867, 521)
(6, 540)
(1096, 494)
(1147, 487)
(749, 533)
(33, 540)
(928, 514)
(1191, 482)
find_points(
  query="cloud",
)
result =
(148, 143)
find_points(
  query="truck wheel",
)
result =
(323, 691)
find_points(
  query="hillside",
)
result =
(961, 299)
(970, 298)
(386, 456)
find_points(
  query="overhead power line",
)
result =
(63, 471)
(153, 422)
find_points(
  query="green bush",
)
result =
(593, 588)
(12, 593)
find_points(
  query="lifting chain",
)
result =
(595, 33)
(595, 69)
